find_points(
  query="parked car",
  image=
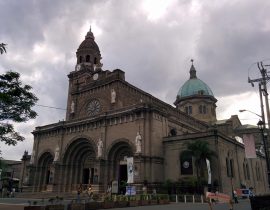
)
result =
(244, 193)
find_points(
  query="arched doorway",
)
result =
(118, 163)
(80, 164)
(46, 172)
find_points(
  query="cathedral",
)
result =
(115, 132)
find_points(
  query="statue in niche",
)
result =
(138, 142)
(56, 154)
(72, 107)
(100, 148)
(32, 157)
(113, 96)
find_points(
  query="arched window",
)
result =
(248, 174)
(87, 58)
(173, 132)
(258, 174)
(229, 165)
(202, 109)
(244, 169)
(188, 110)
(95, 60)
(186, 163)
(80, 59)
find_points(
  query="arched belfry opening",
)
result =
(46, 171)
(80, 164)
(117, 155)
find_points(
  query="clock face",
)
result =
(186, 164)
(78, 67)
(93, 107)
(95, 77)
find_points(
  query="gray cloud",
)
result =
(223, 37)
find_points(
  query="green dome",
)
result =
(194, 86)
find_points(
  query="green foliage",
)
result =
(200, 151)
(16, 102)
(3, 166)
(2, 48)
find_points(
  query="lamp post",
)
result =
(261, 126)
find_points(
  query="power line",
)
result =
(51, 107)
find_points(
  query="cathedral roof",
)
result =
(194, 86)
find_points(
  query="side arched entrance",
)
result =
(44, 171)
(117, 163)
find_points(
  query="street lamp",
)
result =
(244, 110)
(261, 126)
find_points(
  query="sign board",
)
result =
(130, 171)
(130, 190)
(220, 197)
(115, 187)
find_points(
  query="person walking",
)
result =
(90, 192)
(79, 191)
(235, 197)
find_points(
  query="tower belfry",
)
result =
(88, 52)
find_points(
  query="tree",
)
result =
(2, 48)
(16, 102)
(200, 151)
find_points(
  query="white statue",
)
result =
(100, 148)
(138, 142)
(72, 107)
(113, 96)
(32, 157)
(56, 154)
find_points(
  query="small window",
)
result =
(95, 60)
(202, 109)
(201, 92)
(188, 110)
(80, 59)
(88, 58)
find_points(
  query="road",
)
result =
(19, 203)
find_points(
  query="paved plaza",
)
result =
(19, 203)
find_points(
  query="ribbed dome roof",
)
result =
(194, 86)
(89, 42)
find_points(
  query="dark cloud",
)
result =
(224, 38)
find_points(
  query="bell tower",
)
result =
(88, 53)
(87, 69)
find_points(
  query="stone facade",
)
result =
(104, 115)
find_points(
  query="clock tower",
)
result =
(85, 97)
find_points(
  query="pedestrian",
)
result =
(109, 189)
(79, 191)
(90, 192)
(235, 197)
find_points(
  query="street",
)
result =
(19, 203)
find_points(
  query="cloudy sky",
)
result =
(151, 40)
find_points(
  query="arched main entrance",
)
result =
(80, 164)
(118, 164)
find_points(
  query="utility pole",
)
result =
(263, 91)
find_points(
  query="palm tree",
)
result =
(2, 48)
(200, 151)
